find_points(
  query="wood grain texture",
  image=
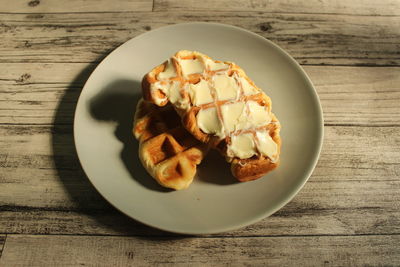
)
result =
(348, 213)
(355, 188)
(2, 241)
(358, 96)
(36, 93)
(359, 7)
(266, 251)
(295, 219)
(51, 6)
(310, 38)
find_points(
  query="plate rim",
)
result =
(253, 219)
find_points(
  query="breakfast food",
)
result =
(167, 151)
(220, 106)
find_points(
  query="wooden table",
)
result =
(348, 213)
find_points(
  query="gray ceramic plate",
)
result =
(215, 202)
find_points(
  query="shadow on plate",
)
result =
(94, 214)
(215, 170)
(117, 103)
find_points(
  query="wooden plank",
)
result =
(2, 241)
(358, 96)
(354, 189)
(359, 7)
(310, 38)
(295, 219)
(37, 93)
(44, 73)
(51, 6)
(30, 250)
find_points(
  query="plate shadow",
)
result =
(215, 170)
(84, 198)
(117, 103)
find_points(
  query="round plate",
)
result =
(215, 202)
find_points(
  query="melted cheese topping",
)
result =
(200, 93)
(226, 87)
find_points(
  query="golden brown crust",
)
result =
(190, 123)
(148, 79)
(243, 169)
(251, 169)
(167, 151)
(146, 88)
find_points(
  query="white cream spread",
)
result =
(208, 122)
(172, 91)
(225, 87)
(175, 96)
(267, 146)
(259, 115)
(248, 89)
(200, 93)
(169, 71)
(242, 146)
(234, 116)
(248, 116)
(213, 66)
(163, 87)
(191, 66)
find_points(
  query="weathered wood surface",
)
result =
(266, 251)
(355, 7)
(293, 220)
(348, 213)
(354, 189)
(2, 241)
(45, 6)
(35, 93)
(310, 38)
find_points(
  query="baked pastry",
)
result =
(167, 151)
(220, 106)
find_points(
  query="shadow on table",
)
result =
(111, 104)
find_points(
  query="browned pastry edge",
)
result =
(243, 169)
(166, 150)
(147, 80)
